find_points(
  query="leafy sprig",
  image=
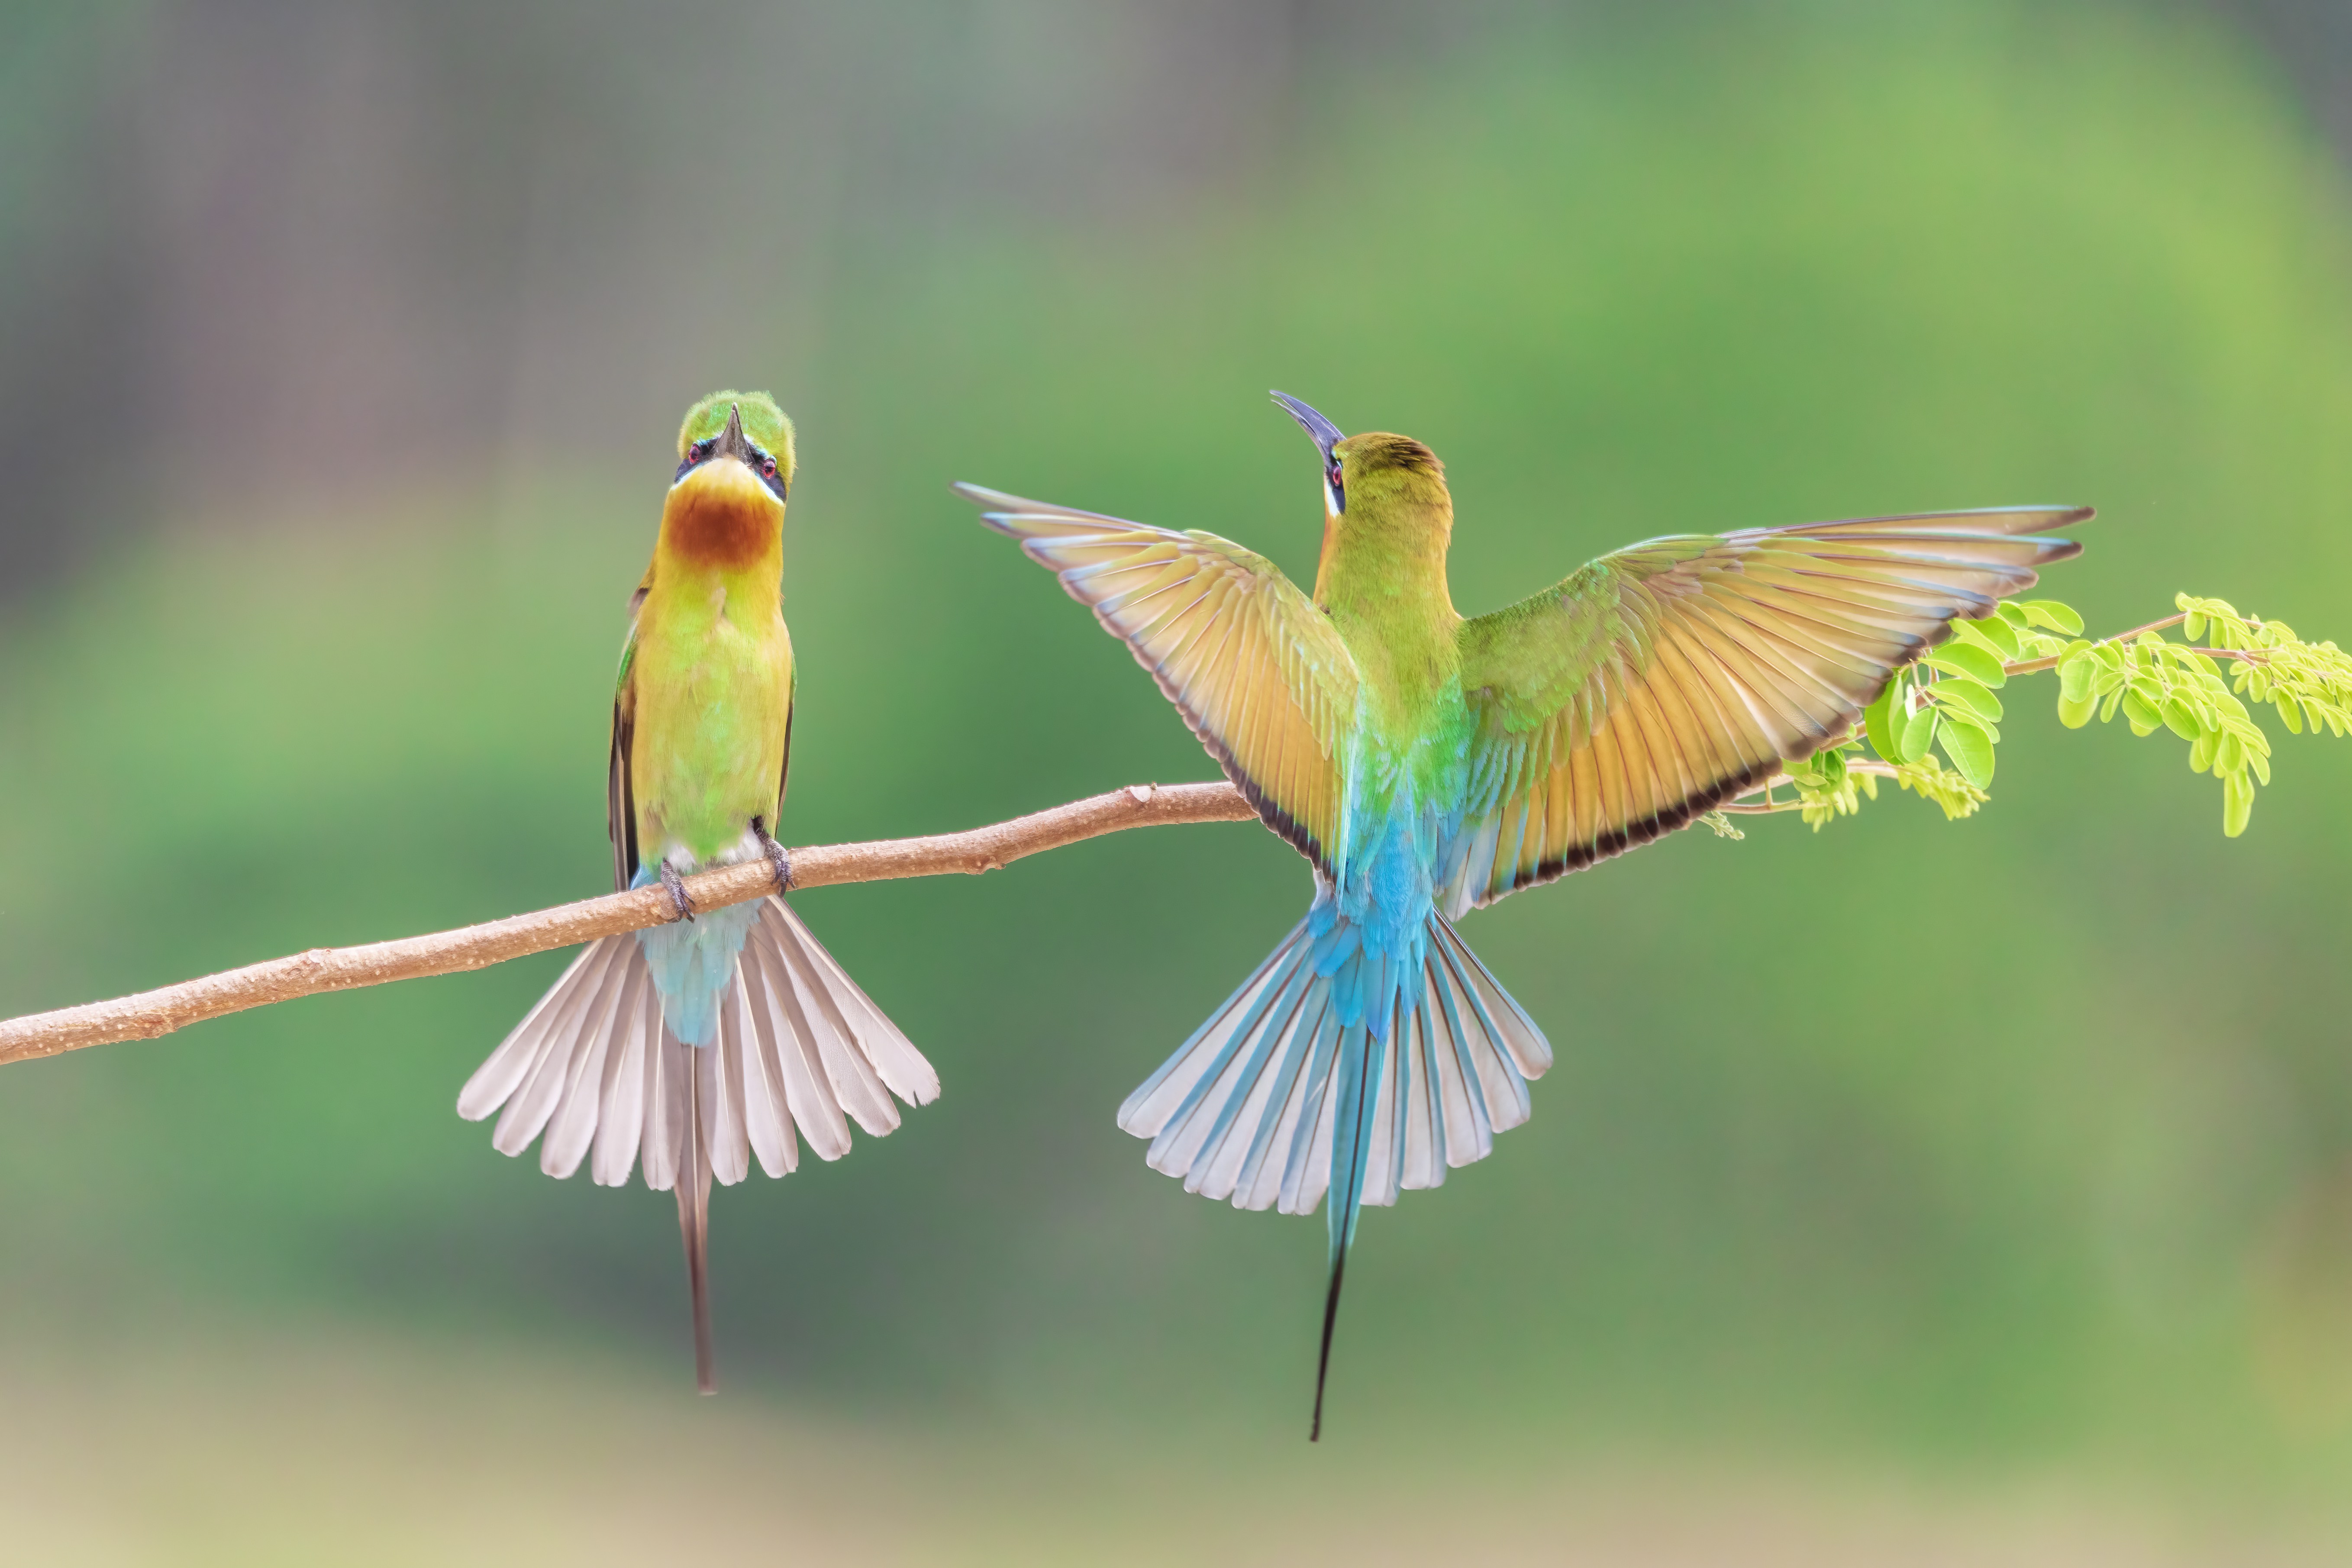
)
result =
(1935, 728)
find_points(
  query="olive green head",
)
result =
(1379, 465)
(1375, 470)
(745, 425)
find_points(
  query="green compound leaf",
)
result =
(1970, 746)
(1993, 633)
(2050, 613)
(1973, 660)
(2237, 804)
(1918, 734)
(1878, 723)
(2182, 719)
(2206, 695)
(1967, 697)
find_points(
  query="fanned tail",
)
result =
(1275, 1103)
(799, 1053)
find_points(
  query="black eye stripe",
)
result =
(762, 460)
(764, 464)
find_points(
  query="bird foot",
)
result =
(677, 890)
(776, 856)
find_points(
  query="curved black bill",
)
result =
(1326, 433)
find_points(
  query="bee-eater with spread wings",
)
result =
(692, 1046)
(1427, 765)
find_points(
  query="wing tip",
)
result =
(2054, 515)
(2051, 515)
(1002, 506)
(2005, 521)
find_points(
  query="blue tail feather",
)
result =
(1350, 1066)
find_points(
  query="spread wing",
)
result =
(1256, 669)
(1661, 680)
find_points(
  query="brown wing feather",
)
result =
(1256, 669)
(784, 773)
(1661, 680)
(620, 794)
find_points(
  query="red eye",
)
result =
(768, 468)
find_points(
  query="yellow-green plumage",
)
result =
(706, 688)
(702, 1043)
(702, 713)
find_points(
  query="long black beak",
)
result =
(732, 443)
(1326, 433)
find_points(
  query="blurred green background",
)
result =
(1909, 1191)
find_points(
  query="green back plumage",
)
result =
(1382, 582)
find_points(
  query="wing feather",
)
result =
(1658, 681)
(1256, 670)
(620, 791)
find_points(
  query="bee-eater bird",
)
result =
(697, 1043)
(1428, 765)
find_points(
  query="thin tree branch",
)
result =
(2036, 665)
(153, 1012)
(1768, 806)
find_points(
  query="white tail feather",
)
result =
(1245, 1108)
(800, 1052)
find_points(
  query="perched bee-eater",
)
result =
(693, 1044)
(1427, 765)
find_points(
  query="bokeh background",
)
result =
(1908, 1191)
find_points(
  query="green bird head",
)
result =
(725, 509)
(746, 426)
(1381, 492)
